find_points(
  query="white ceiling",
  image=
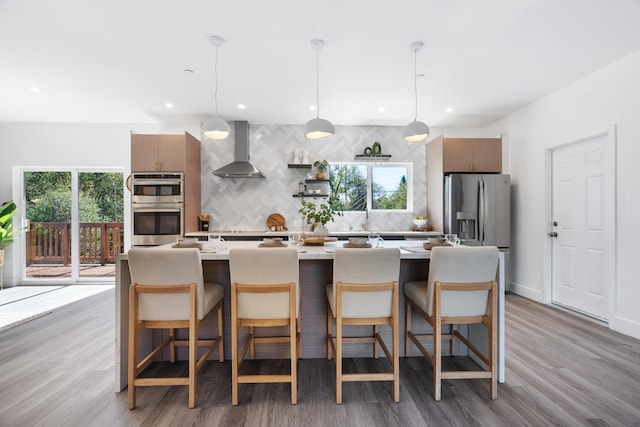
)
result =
(122, 60)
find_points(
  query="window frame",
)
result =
(369, 168)
(19, 193)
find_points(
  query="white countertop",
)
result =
(343, 233)
(414, 249)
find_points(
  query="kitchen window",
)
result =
(356, 187)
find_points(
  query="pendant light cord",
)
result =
(215, 72)
(415, 82)
(317, 84)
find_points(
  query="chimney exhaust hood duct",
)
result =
(240, 167)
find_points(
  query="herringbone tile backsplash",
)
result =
(245, 203)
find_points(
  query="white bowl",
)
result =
(419, 222)
(272, 241)
(188, 241)
(357, 241)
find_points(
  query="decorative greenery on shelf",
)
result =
(7, 234)
(322, 213)
(321, 165)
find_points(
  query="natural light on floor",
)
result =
(23, 303)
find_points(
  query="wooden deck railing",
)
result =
(50, 242)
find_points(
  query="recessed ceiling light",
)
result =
(312, 108)
(381, 109)
(241, 106)
(448, 109)
(34, 89)
(168, 105)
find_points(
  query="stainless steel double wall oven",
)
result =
(157, 202)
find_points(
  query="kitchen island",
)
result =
(316, 269)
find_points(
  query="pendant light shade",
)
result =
(415, 131)
(216, 127)
(318, 128)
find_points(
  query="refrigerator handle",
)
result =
(482, 202)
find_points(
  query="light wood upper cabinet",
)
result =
(456, 155)
(472, 155)
(144, 153)
(166, 153)
(172, 152)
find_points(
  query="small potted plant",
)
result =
(318, 216)
(321, 166)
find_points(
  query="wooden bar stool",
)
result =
(264, 293)
(460, 289)
(364, 292)
(168, 292)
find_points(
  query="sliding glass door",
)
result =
(75, 225)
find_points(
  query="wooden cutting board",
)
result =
(429, 246)
(318, 241)
(276, 220)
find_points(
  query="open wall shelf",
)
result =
(372, 158)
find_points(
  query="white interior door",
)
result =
(583, 223)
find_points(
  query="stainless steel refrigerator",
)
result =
(477, 208)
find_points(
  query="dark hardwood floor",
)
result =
(562, 370)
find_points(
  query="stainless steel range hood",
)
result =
(240, 167)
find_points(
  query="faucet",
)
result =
(365, 224)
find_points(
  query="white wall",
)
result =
(594, 104)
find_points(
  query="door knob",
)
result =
(553, 234)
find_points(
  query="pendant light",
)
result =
(216, 127)
(415, 131)
(318, 128)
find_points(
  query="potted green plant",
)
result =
(318, 215)
(321, 166)
(7, 233)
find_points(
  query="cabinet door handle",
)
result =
(553, 234)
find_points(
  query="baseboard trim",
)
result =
(625, 326)
(523, 291)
